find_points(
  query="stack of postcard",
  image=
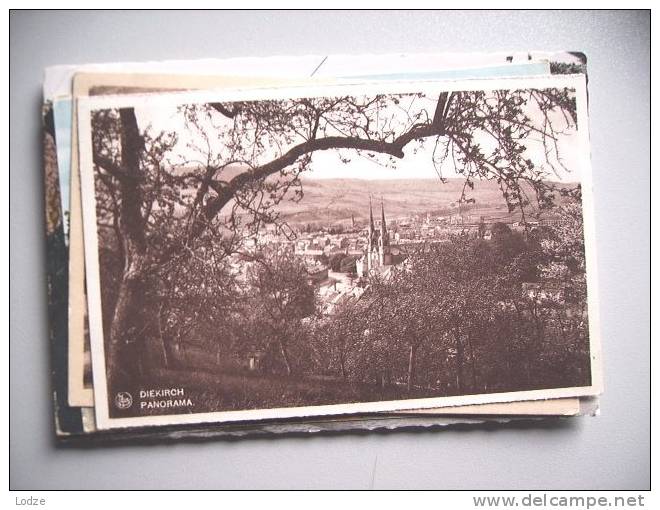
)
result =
(302, 244)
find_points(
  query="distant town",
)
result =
(341, 257)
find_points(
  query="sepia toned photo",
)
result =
(388, 247)
(80, 391)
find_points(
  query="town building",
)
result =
(379, 253)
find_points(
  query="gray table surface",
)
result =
(609, 451)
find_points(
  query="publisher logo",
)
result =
(123, 400)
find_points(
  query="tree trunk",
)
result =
(285, 357)
(163, 345)
(125, 348)
(123, 363)
(342, 364)
(411, 366)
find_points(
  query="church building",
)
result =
(379, 253)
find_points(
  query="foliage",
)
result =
(459, 317)
(175, 210)
(280, 298)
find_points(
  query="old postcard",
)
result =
(338, 250)
(80, 387)
(78, 423)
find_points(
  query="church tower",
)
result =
(372, 243)
(384, 240)
(378, 244)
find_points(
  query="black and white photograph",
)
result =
(349, 248)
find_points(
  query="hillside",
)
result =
(335, 200)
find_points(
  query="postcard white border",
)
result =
(87, 104)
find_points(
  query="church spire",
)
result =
(371, 217)
(371, 242)
(383, 242)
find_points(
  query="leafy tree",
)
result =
(281, 296)
(335, 260)
(250, 156)
(337, 338)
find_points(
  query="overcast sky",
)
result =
(326, 164)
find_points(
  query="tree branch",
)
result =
(229, 113)
(109, 166)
